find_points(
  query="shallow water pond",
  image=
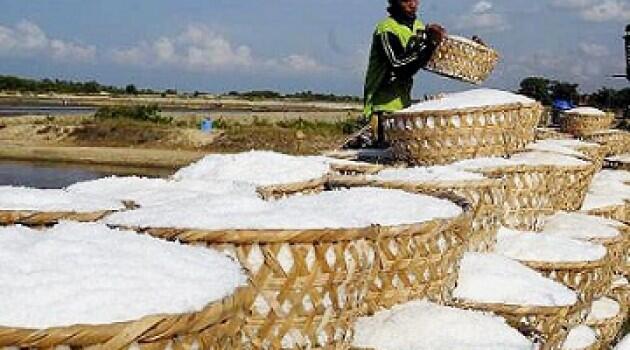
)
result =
(58, 175)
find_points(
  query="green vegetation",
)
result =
(303, 95)
(342, 127)
(149, 113)
(545, 91)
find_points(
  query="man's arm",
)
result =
(405, 61)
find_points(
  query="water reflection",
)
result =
(58, 175)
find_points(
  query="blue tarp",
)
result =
(563, 105)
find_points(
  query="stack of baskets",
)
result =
(444, 136)
(586, 121)
(463, 59)
(308, 286)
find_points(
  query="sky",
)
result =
(296, 45)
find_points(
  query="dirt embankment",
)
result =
(127, 142)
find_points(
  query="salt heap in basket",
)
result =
(420, 325)
(464, 125)
(108, 282)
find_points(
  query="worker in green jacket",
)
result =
(401, 45)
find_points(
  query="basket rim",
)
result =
(117, 335)
(451, 112)
(518, 168)
(410, 184)
(568, 265)
(510, 308)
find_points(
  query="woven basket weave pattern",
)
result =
(463, 60)
(417, 262)
(527, 195)
(569, 186)
(307, 286)
(440, 137)
(615, 142)
(485, 196)
(215, 327)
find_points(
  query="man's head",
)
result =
(406, 7)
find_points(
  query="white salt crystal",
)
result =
(579, 338)
(420, 325)
(52, 200)
(351, 208)
(493, 278)
(150, 191)
(546, 158)
(603, 309)
(89, 274)
(532, 246)
(586, 111)
(581, 226)
(470, 99)
(256, 167)
(427, 174)
(566, 147)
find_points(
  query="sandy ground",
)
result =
(82, 139)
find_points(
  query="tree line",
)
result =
(546, 91)
(17, 84)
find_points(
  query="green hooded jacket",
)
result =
(383, 91)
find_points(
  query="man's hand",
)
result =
(435, 33)
(478, 40)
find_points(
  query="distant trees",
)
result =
(131, 89)
(12, 83)
(536, 88)
(545, 91)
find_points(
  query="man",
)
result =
(401, 45)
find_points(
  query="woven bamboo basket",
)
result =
(308, 286)
(415, 261)
(589, 279)
(463, 59)
(441, 137)
(608, 329)
(215, 327)
(527, 195)
(35, 218)
(582, 124)
(485, 196)
(615, 142)
(569, 185)
(546, 325)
